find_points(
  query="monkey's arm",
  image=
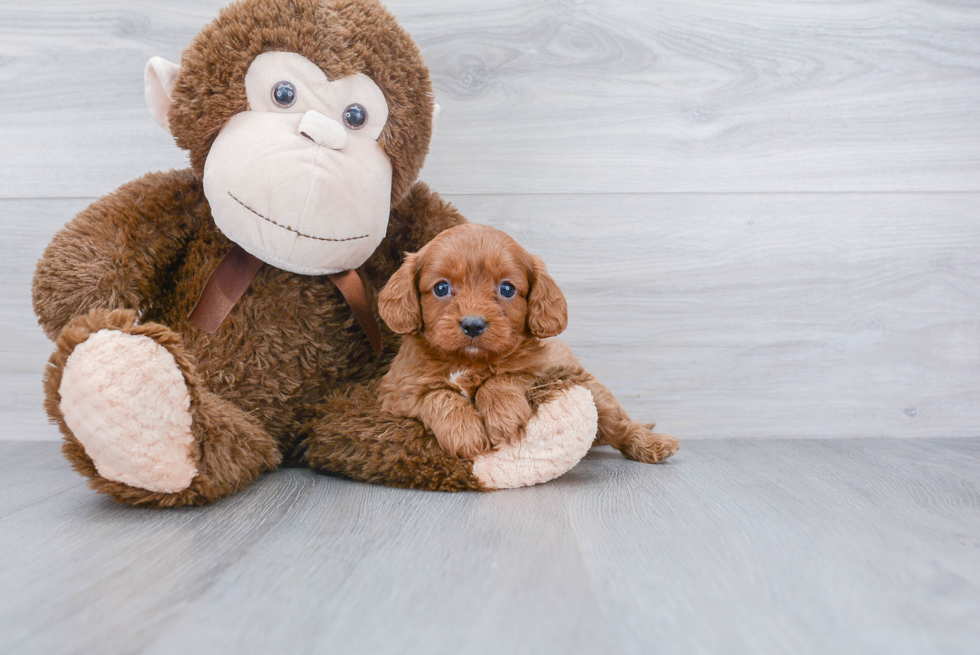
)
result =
(115, 253)
(412, 224)
(355, 437)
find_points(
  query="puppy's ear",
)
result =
(547, 311)
(398, 302)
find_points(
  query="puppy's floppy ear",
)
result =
(547, 311)
(398, 302)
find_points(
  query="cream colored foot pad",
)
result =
(558, 436)
(125, 400)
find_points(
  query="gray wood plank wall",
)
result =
(764, 214)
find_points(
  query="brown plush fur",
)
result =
(472, 391)
(396, 452)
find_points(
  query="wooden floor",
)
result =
(736, 546)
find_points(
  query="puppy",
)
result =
(477, 311)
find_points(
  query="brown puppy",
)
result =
(477, 310)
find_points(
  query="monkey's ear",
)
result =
(436, 110)
(547, 311)
(158, 85)
(399, 303)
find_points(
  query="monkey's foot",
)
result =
(558, 435)
(125, 399)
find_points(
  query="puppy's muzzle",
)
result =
(473, 326)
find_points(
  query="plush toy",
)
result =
(217, 322)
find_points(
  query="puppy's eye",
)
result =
(507, 290)
(441, 290)
(355, 116)
(284, 94)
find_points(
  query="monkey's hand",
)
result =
(556, 438)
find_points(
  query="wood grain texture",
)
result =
(836, 315)
(844, 546)
(548, 97)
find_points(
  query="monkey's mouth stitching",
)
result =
(286, 227)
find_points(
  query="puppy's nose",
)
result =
(473, 326)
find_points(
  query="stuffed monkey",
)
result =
(217, 322)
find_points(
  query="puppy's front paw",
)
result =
(506, 420)
(643, 445)
(465, 439)
(465, 449)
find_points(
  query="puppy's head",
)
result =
(473, 293)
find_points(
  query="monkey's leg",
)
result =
(138, 422)
(354, 438)
(617, 429)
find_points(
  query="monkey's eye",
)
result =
(355, 116)
(441, 290)
(284, 94)
(507, 290)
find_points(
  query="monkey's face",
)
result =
(306, 120)
(299, 180)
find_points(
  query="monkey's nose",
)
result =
(473, 326)
(323, 131)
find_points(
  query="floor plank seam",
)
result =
(37, 501)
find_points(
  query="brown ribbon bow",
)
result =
(234, 274)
